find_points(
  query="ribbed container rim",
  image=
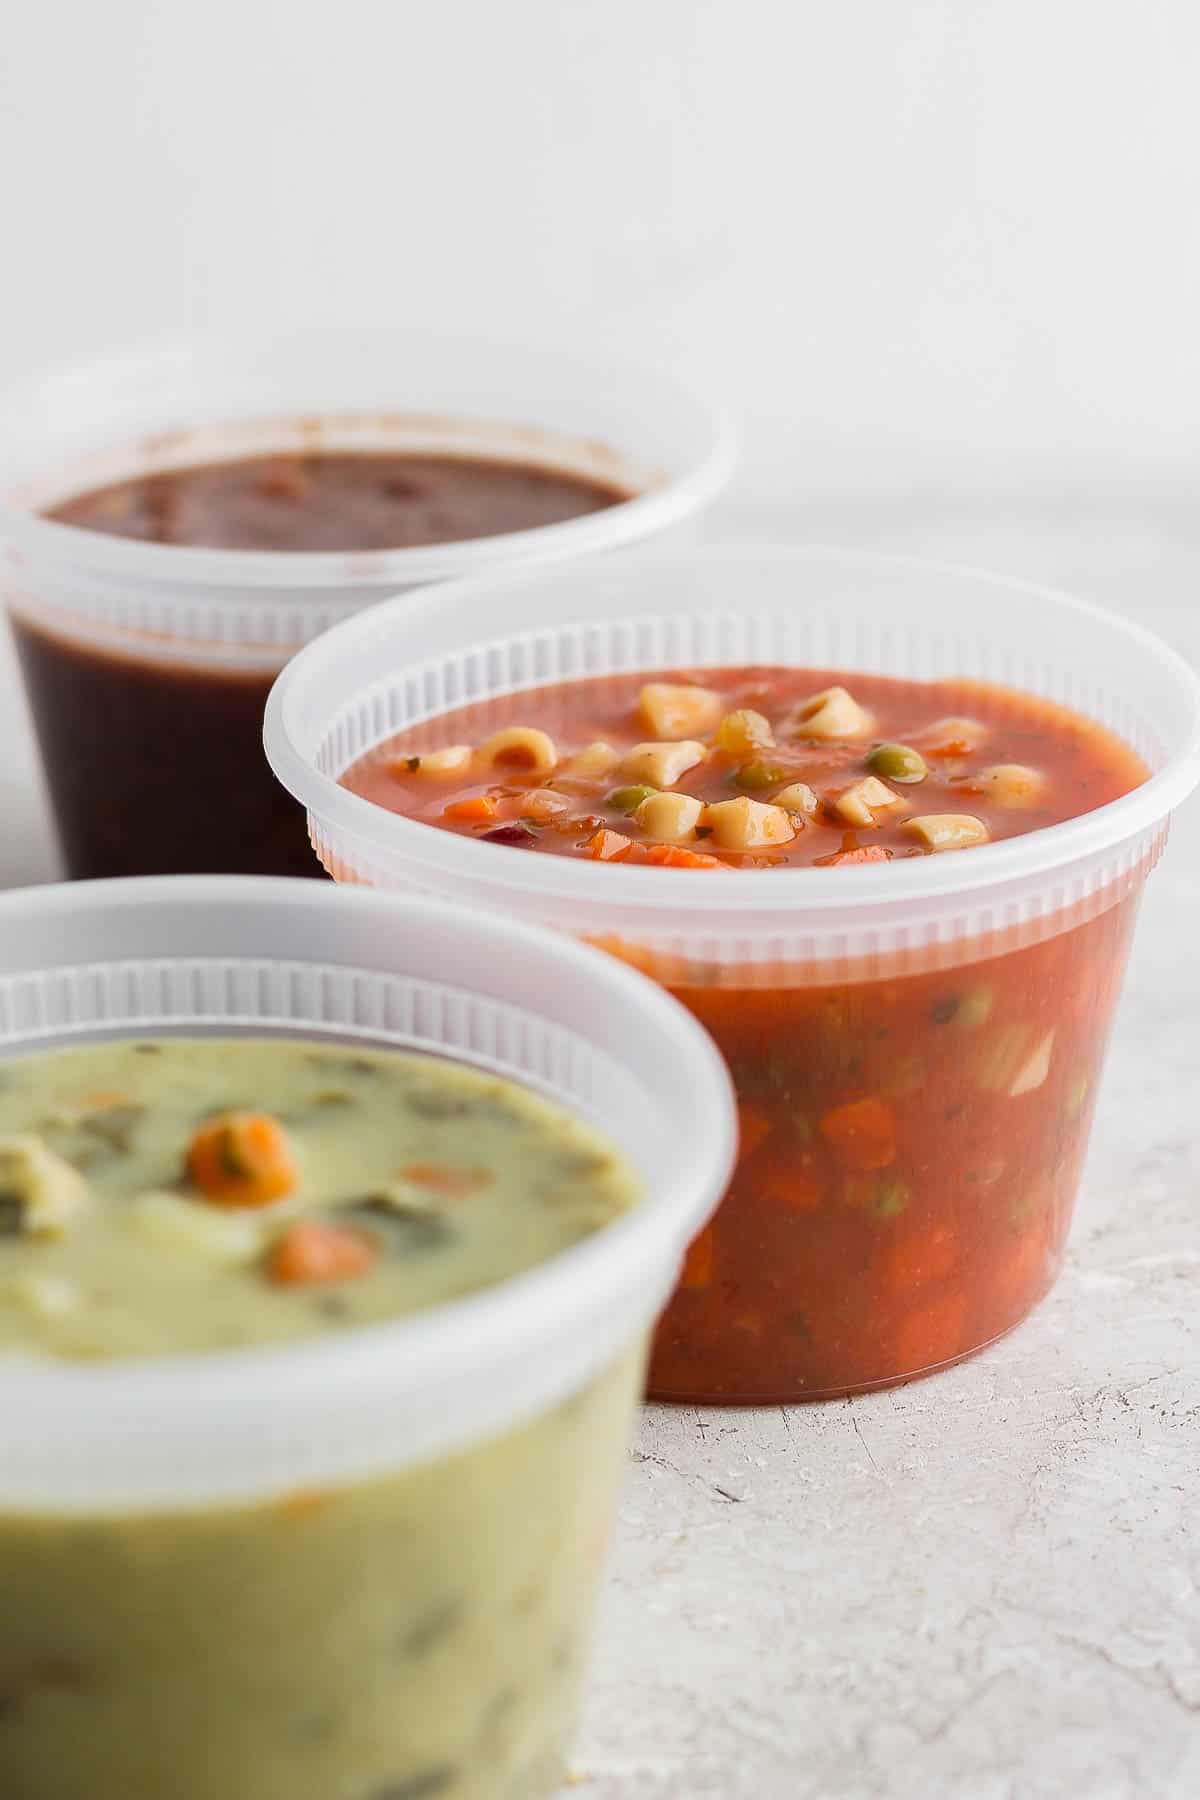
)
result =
(263, 600)
(384, 672)
(229, 954)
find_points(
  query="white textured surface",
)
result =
(985, 1586)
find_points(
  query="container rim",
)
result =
(428, 1359)
(676, 495)
(292, 739)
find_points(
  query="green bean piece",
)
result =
(627, 799)
(897, 762)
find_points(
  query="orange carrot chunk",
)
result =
(932, 1335)
(867, 853)
(787, 1186)
(674, 856)
(242, 1159)
(310, 1253)
(478, 810)
(920, 1260)
(862, 1133)
(608, 846)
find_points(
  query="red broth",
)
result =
(912, 1143)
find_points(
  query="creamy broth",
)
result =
(436, 1179)
(415, 1636)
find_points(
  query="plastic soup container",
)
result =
(147, 664)
(361, 1564)
(914, 977)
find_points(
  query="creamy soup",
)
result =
(417, 1636)
(203, 1193)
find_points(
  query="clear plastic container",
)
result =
(361, 1564)
(147, 665)
(800, 973)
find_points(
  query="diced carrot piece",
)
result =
(453, 1183)
(919, 1259)
(242, 1159)
(792, 1187)
(932, 1335)
(674, 856)
(950, 746)
(1021, 1274)
(608, 846)
(699, 1264)
(478, 810)
(753, 1126)
(862, 1133)
(867, 853)
(310, 1253)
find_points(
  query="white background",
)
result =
(947, 243)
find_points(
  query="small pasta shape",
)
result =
(521, 747)
(671, 818)
(858, 805)
(833, 713)
(1011, 785)
(671, 710)
(948, 831)
(661, 765)
(436, 765)
(743, 732)
(745, 824)
(798, 797)
(593, 762)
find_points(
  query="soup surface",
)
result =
(182, 1194)
(155, 764)
(750, 768)
(336, 500)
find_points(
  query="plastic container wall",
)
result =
(366, 1560)
(147, 665)
(785, 1299)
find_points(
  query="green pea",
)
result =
(897, 762)
(757, 774)
(627, 799)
